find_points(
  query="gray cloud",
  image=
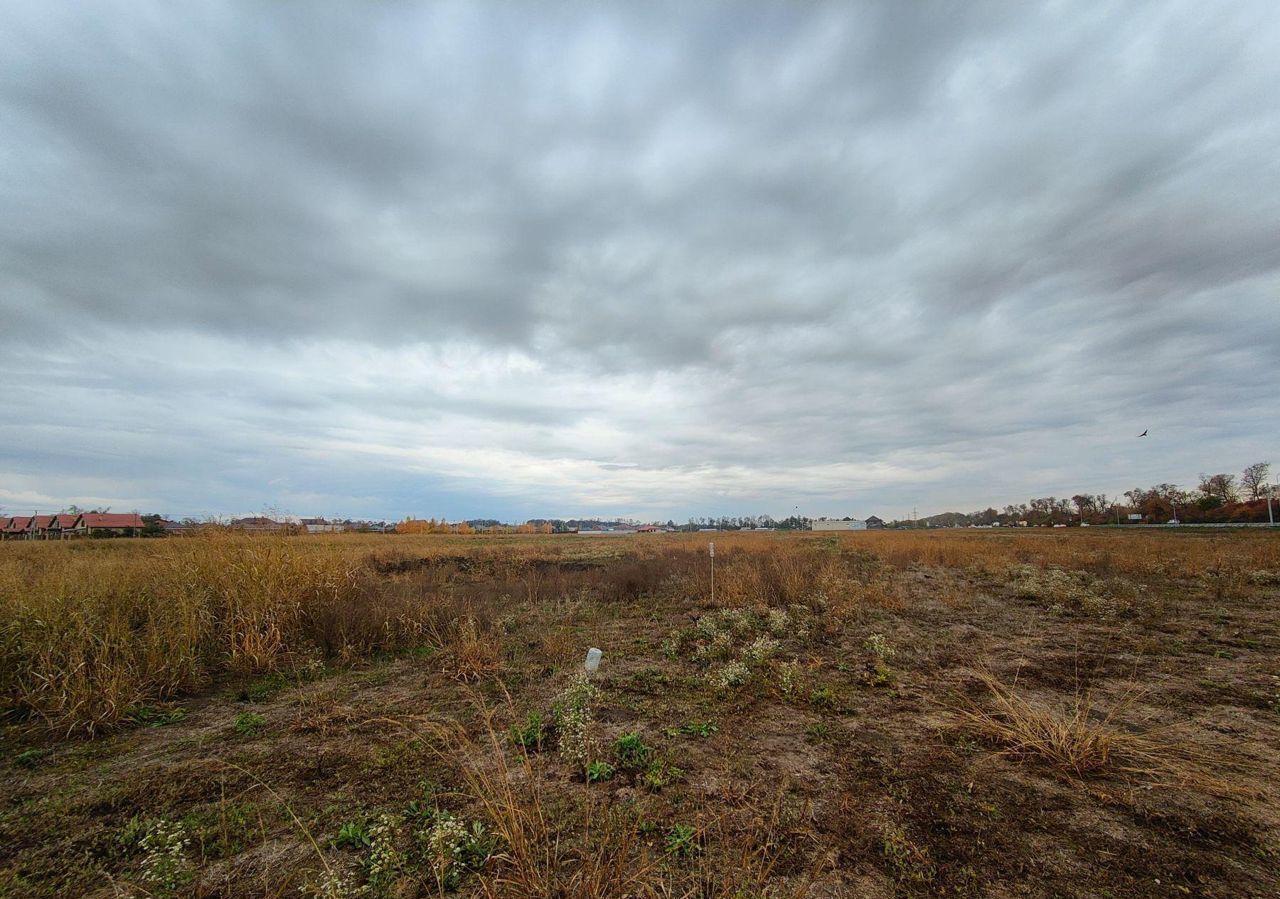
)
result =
(642, 257)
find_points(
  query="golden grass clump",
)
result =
(1078, 739)
(473, 654)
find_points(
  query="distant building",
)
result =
(840, 524)
(258, 524)
(15, 528)
(112, 524)
(321, 526)
(874, 523)
(64, 525)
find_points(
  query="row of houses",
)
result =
(68, 525)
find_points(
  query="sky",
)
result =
(510, 260)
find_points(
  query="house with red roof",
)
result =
(111, 524)
(63, 526)
(16, 528)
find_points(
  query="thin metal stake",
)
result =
(711, 550)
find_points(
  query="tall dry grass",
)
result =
(89, 630)
(87, 633)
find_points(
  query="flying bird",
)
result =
(1144, 433)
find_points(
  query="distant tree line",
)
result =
(744, 523)
(1218, 498)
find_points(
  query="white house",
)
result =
(836, 524)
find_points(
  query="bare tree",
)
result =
(1254, 479)
(1221, 487)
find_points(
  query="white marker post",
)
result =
(711, 551)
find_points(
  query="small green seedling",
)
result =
(823, 697)
(530, 735)
(701, 729)
(599, 771)
(29, 757)
(659, 774)
(818, 731)
(247, 723)
(682, 840)
(352, 835)
(149, 716)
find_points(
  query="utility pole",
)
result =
(1271, 520)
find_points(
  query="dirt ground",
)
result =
(810, 732)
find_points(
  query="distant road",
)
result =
(1196, 525)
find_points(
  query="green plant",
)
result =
(600, 770)
(530, 735)
(221, 830)
(337, 885)
(760, 650)
(149, 716)
(351, 835)
(702, 729)
(908, 860)
(719, 646)
(823, 697)
(419, 810)
(682, 840)
(789, 678)
(425, 807)
(734, 674)
(165, 864)
(631, 752)
(879, 647)
(452, 848)
(130, 838)
(659, 774)
(384, 860)
(879, 674)
(28, 758)
(778, 622)
(707, 627)
(574, 719)
(247, 723)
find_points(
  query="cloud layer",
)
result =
(498, 259)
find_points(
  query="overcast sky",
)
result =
(505, 260)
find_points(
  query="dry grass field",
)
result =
(1062, 713)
